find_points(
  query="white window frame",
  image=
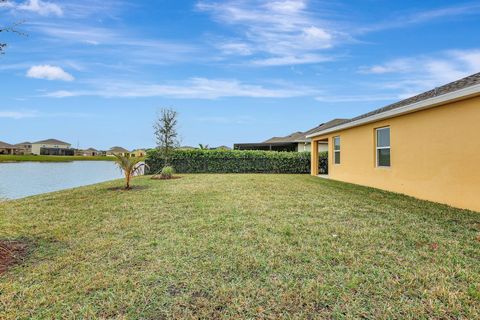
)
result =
(382, 148)
(335, 151)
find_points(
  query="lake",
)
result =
(22, 179)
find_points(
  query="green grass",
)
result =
(30, 158)
(240, 246)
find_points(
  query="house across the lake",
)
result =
(427, 146)
(295, 142)
(6, 148)
(52, 147)
(90, 152)
(25, 147)
(118, 151)
(138, 153)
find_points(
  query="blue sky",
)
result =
(95, 73)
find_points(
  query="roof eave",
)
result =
(457, 95)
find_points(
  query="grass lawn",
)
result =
(23, 158)
(240, 246)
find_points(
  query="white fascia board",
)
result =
(417, 106)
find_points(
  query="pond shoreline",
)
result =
(34, 158)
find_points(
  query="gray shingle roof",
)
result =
(466, 82)
(302, 136)
(118, 149)
(6, 145)
(290, 138)
(51, 141)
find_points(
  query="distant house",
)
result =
(295, 142)
(118, 151)
(90, 152)
(6, 148)
(26, 147)
(138, 153)
(52, 147)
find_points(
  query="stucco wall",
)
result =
(307, 147)
(435, 155)
(36, 147)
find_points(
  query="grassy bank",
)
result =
(32, 158)
(240, 246)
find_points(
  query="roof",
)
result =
(22, 143)
(463, 88)
(118, 149)
(91, 149)
(323, 126)
(51, 141)
(302, 136)
(290, 138)
(6, 145)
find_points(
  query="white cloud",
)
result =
(413, 75)
(358, 98)
(291, 60)
(194, 88)
(17, 114)
(40, 7)
(284, 32)
(236, 48)
(24, 114)
(402, 21)
(444, 66)
(49, 72)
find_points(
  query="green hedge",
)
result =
(234, 161)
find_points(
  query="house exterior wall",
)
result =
(308, 146)
(435, 155)
(37, 146)
(24, 148)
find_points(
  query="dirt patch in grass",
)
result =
(132, 188)
(12, 253)
(159, 177)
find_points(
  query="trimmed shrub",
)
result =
(231, 161)
(167, 172)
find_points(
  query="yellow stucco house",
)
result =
(427, 146)
(139, 153)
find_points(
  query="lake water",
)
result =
(22, 179)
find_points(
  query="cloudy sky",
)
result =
(95, 73)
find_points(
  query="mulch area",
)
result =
(11, 253)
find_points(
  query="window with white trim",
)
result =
(383, 146)
(336, 150)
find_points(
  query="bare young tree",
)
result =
(166, 133)
(11, 29)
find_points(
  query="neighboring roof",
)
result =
(118, 149)
(463, 88)
(51, 141)
(290, 138)
(323, 126)
(22, 143)
(5, 145)
(302, 136)
(91, 149)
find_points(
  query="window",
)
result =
(383, 147)
(336, 150)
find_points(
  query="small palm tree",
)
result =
(203, 146)
(129, 166)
